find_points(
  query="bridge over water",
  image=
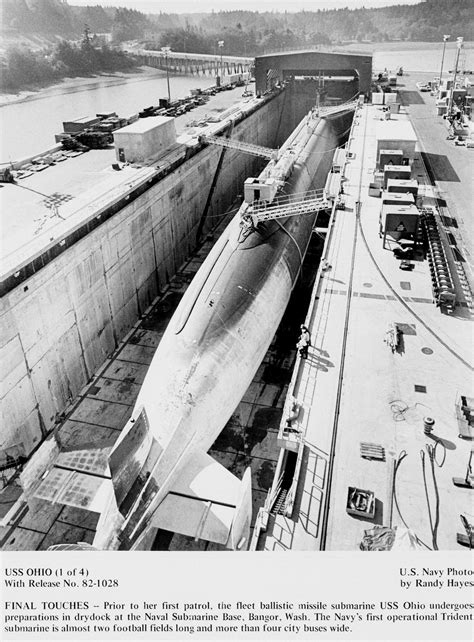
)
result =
(192, 63)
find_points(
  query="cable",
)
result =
(332, 149)
(438, 442)
(29, 189)
(293, 239)
(422, 455)
(433, 525)
(400, 458)
(398, 408)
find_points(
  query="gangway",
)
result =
(248, 148)
(288, 205)
(337, 109)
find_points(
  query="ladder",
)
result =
(336, 109)
(279, 505)
(248, 148)
(290, 205)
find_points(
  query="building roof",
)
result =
(396, 196)
(395, 130)
(400, 182)
(305, 52)
(143, 125)
(397, 168)
(410, 210)
(83, 119)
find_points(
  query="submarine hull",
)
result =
(215, 342)
(226, 320)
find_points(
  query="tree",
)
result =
(129, 24)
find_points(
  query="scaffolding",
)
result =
(288, 205)
(337, 109)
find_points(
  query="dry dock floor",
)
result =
(353, 389)
(93, 424)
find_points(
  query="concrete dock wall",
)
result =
(60, 324)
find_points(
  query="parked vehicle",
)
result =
(423, 86)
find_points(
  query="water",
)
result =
(28, 127)
(418, 56)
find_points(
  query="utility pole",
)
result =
(166, 51)
(459, 45)
(445, 39)
(221, 47)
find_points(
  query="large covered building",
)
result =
(273, 68)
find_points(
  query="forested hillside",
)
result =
(49, 25)
(245, 30)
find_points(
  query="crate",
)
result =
(360, 503)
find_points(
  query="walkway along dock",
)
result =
(356, 410)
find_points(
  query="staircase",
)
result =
(279, 505)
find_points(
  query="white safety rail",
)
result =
(248, 148)
(336, 109)
(289, 205)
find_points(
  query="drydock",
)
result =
(351, 423)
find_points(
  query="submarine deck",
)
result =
(354, 390)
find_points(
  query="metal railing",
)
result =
(289, 205)
(248, 148)
(337, 109)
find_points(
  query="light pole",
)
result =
(459, 45)
(445, 40)
(166, 51)
(220, 44)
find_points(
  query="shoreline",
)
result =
(73, 85)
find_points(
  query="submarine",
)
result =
(162, 475)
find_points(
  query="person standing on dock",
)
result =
(304, 342)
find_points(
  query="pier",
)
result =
(196, 64)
